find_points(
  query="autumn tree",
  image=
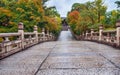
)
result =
(30, 12)
(73, 20)
(91, 14)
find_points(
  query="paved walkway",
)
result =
(64, 57)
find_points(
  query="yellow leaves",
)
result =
(76, 22)
(23, 1)
(46, 18)
(58, 19)
(20, 1)
(38, 19)
(30, 13)
(102, 17)
(52, 23)
(41, 10)
(5, 11)
(26, 22)
(114, 13)
(20, 9)
(9, 14)
(34, 1)
(11, 23)
(32, 17)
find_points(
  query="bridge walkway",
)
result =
(63, 57)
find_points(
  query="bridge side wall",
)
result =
(111, 37)
(22, 40)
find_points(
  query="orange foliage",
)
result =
(52, 23)
(74, 15)
(5, 11)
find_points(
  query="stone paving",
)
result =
(64, 57)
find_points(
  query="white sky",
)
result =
(63, 6)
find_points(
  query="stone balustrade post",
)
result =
(6, 39)
(100, 32)
(86, 35)
(36, 33)
(51, 37)
(8, 47)
(43, 33)
(92, 31)
(118, 33)
(108, 37)
(48, 36)
(30, 38)
(83, 36)
(21, 31)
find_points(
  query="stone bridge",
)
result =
(66, 56)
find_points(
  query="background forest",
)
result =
(82, 17)
(30, 12)
(89, 15)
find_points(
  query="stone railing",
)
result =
(15, 42)
(111, 37)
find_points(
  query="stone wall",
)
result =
(22, 40)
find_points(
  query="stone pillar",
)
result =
(36, 33)
(48, 36)
(47, 32)
(86, 36)
(6, 39)
(21, 31)
(43, 33)
(51, 37)
(92, 31)
(100, 32)
(118, 33)
(83, 36)
(108, 37)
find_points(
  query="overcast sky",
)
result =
(63, 6)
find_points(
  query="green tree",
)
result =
(118, 3)
(30, 12)
(91, 14)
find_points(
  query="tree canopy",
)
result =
(30, 12)
(91, 15)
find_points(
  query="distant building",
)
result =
(64, 24)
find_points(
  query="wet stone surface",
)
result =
(64, 57)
